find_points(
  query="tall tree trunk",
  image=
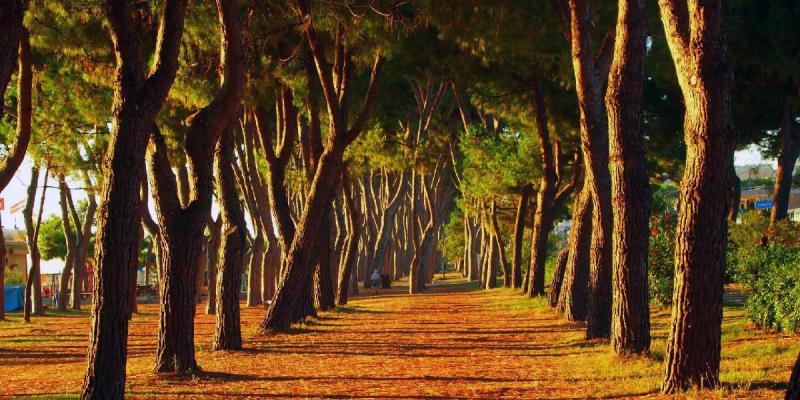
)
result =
(323, 281)
(71, 244)
(212, 248)
(558, 277)
(182, 227)
(228, 332)
(573, 299)
(501, 251)
(138, 99)
(300, 260)
(33, 285)
(84, 230)
(787, 158)
(630, 321)
(257, 253)
(350, 250)
(697, 44)
(14, 50)
(543, 218)
(519, 233)
(594, 139)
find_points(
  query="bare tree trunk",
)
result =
(787, 158)
(182, 227)
(501, 251)
(257, 253)
(697, 44)
(84, 230)
(519, 233)
(212, 249)
(543, 218)
(14, 49)
(350, 250)
(630, 321)
(573, 299)
(558, 277)
(594, 137)
(323, 282)
(137, 100)
(33, 286)
(71, 244)
(228, 331)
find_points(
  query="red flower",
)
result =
(655, 231)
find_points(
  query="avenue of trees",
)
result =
(299, 145)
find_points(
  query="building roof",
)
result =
(16, 240)
(14, 235)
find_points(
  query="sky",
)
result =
(17, 188)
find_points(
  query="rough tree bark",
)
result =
(350, 249)
(594, 139)
(574, 291)
(558, 277)
(543, 218)
(33, 285)
(71, 244)
(181, 236)
(519, 233)
(500, 244)
(228, 332)
(14, 48)
(138, 98)
(213, 246)
(300, 260)
(83, 229)
(697, 44)
(12, 32)
(630, 321)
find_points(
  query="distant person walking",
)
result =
(376, 280)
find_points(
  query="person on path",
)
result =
(376, 280)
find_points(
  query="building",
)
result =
(16, 252)
(761, 198)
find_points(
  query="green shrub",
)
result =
(772, 274)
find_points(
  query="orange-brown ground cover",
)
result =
(448, 343)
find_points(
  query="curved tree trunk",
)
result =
(697, 44)
(543, 218)
(84, 237)
(228, 331)
(519, 233)
(137, 100)
(630, 321)
(182, 227)
(14, 47)
(71, 244)
(350, 250)
(594, 139)
(573, 299)
(501, 250)
(33, 285)
(558, 277)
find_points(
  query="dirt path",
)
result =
(448, 343)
